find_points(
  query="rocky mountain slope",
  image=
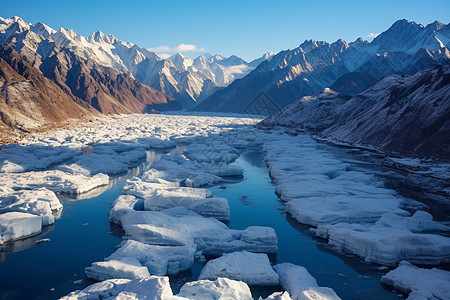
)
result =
(401, 113)
(29, 100)
(405, 48)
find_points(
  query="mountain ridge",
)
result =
(183, 78)
(406, 114)
(315, 65)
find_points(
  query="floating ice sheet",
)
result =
(251, 268)
(419, 283)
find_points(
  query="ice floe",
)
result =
(179, 226)
(158, 288)
(122, 205)
(108, 158)
(212, 151)
(277, 296)
(152, 287)
(15, 158)
(319, 187)
(391, 239)
(300, 284)
(419, 283)
(18, 225)
(55, 180)
(160, 260)
(127, 267)
(177, 168)
(221, 288)
(251, 268)
(160, 196)
(334, 209)
(41, 202)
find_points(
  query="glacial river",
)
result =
(83, 234)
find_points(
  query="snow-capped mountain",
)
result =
(405, 48)
(408, 114)
(47, 68)
(179, 76)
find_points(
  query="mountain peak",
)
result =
(216, 58)
(340, 43)
(100, 37)
(18, 21)
(309, 45)
(42, 29)
(436, 25)
(403, 35)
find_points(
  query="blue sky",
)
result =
(245, 28)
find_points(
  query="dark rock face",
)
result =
(353, 83)
(401, 113)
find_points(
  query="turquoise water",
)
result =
(83, 235)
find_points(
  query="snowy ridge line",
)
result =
(183, 78)
(348, 68)
(349, 208)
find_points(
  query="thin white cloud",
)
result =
(159, 49)
(372, 35)
(179, 48)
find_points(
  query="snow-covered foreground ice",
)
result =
(254, 269)
(158, 288)
(419, 283)
(221, 288)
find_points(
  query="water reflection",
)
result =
(24, 244)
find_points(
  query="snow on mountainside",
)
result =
(401, 113)
(180, 77)
(405, 48)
